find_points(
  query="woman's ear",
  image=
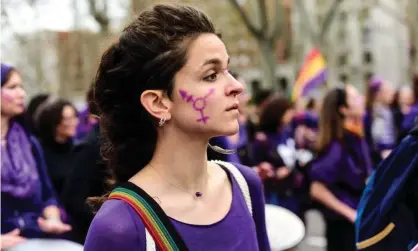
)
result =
(157, 103)
(343, 110)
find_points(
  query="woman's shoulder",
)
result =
(252, 179)
(249, 174)
(116, 226)
(328, 155)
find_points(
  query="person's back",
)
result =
(387, 215)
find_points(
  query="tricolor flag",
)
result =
(312, 74)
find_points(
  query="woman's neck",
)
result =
(181, 158)
(4, 126)
(353, 120)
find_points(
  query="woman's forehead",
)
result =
(206, 50)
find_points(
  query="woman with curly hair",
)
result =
(163, 90)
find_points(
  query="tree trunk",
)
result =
(268, 63)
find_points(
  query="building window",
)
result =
(343, 78)
(368, 57)
(283, 84)
(342, 60)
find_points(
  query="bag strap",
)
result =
(242, 183)
(159, 231)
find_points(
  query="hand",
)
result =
(11, 239)
(311, 135)
(352, 216)
(260, 136)
(282, 172)
(53, 226)
(264, 170)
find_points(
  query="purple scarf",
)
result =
(19, 174)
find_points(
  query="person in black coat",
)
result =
(87, 179)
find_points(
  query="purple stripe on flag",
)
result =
(314, 82)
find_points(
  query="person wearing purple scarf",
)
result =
(29, 207)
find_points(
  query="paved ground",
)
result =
(314, 240)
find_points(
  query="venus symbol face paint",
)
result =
(199, 103)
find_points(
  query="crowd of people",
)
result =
(156, 113)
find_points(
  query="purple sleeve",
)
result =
(257, 199)
(325, 168)
(115, 227)
(48, 193)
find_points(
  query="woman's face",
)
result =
(385, 93)
(205, 96)
(69, 122)
(406, 97)
(13, 96)
(355, 102)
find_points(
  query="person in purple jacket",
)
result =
(275, 146)
(163, 90)
(29, 208)
(339, 172)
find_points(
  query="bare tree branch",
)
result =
(332, 11)
(263, 14)
(101, 17)
(393, 13)
(308, 25)
(257, 33)
(277, 21)
(397, 16)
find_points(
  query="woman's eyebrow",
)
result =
(215, 61)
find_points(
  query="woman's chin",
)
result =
(229, 129)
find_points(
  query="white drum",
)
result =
(284, 229)
(47, 245)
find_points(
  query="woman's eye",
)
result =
(211, 77)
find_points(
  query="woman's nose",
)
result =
(234, 87)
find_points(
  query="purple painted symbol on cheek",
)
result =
(199, 104)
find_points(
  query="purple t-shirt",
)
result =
(118, 227)
(344, 170)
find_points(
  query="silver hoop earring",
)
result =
(162, 121)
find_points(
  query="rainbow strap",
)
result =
(155, 220)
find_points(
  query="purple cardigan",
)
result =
(118, 227)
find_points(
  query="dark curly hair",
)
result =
(48, 116)
(272, 114)
(150, 51)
